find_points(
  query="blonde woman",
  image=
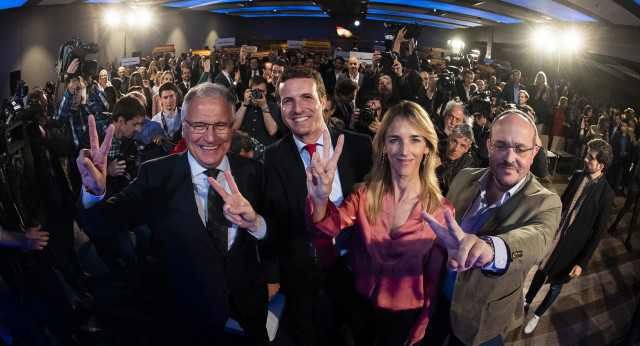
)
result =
(395, 258)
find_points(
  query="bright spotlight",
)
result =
(131, 18)
(572, 40)
(112, 17)
(456, 46)
(145, 17)
(356, 23)
(540, 37)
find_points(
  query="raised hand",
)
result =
(321, 171)
(236, 208)
(92, 163)
(465, 250)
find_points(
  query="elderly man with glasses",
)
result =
(203, 207)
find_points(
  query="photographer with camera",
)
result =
(367, 119)
(79, 101)
(258, 117)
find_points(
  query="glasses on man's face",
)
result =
(221, 128)
(502, 148)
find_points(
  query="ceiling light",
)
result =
(356, 23)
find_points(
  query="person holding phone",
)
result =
(258, 117)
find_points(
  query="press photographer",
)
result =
(258, 117)
(36, 197)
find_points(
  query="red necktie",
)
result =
(325, 252)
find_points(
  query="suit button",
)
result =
(516, 254)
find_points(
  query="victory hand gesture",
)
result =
(321, 171)
(236, 208)
(465, 250)
(92, 163)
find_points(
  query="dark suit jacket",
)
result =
(329, 78)
(233, 88)
(507, 92)
(580, 240)
(201, 279)
(183, 88)
(287, 190)
(345, 75)
(245, 74)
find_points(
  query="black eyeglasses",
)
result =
(519, 150)
(199, 128)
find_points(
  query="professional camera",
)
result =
(457, 60)
(256, 94)
(367, 116)
(480, 102)
(387, 59)
(447, 79)
(129, 150)
(77, 49)
(413, 29)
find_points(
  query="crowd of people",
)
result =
(409, 211)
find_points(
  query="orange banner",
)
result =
(260, 54)
(233, 50)
(316, 46)
(164, 49)
(201, 52)
(278, 46)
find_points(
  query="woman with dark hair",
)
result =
(396, 260)
(136, 80)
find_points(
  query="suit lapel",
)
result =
(293, 168)
(187, 198)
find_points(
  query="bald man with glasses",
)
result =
(504, 225)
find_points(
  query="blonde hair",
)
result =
(378, 181)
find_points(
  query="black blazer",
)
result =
(183, 88)
(200, 278)
(287, 190)
(507, 92)
(581, 239)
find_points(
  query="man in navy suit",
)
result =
(210, 237)
(304, 270)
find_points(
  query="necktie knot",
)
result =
(311, 148)
(212, 172)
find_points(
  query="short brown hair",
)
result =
(302, 72)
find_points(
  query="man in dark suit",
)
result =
(353, 71)
(586, 204)
(331, 75)
(212, 262)
(249, 71)
(463, 87)
(225, 78)
(511, 89)
(186, 81)
(623, 151)
(307, 264)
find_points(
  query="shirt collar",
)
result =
(197, 169)
(484, 179)
(301, 145)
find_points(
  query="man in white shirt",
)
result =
(353, 65)
(211, 234)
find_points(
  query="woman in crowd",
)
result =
(136, 80)
(559, 120)
(103, 80)
(396, 260)
(582, 130)
(167, 77)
